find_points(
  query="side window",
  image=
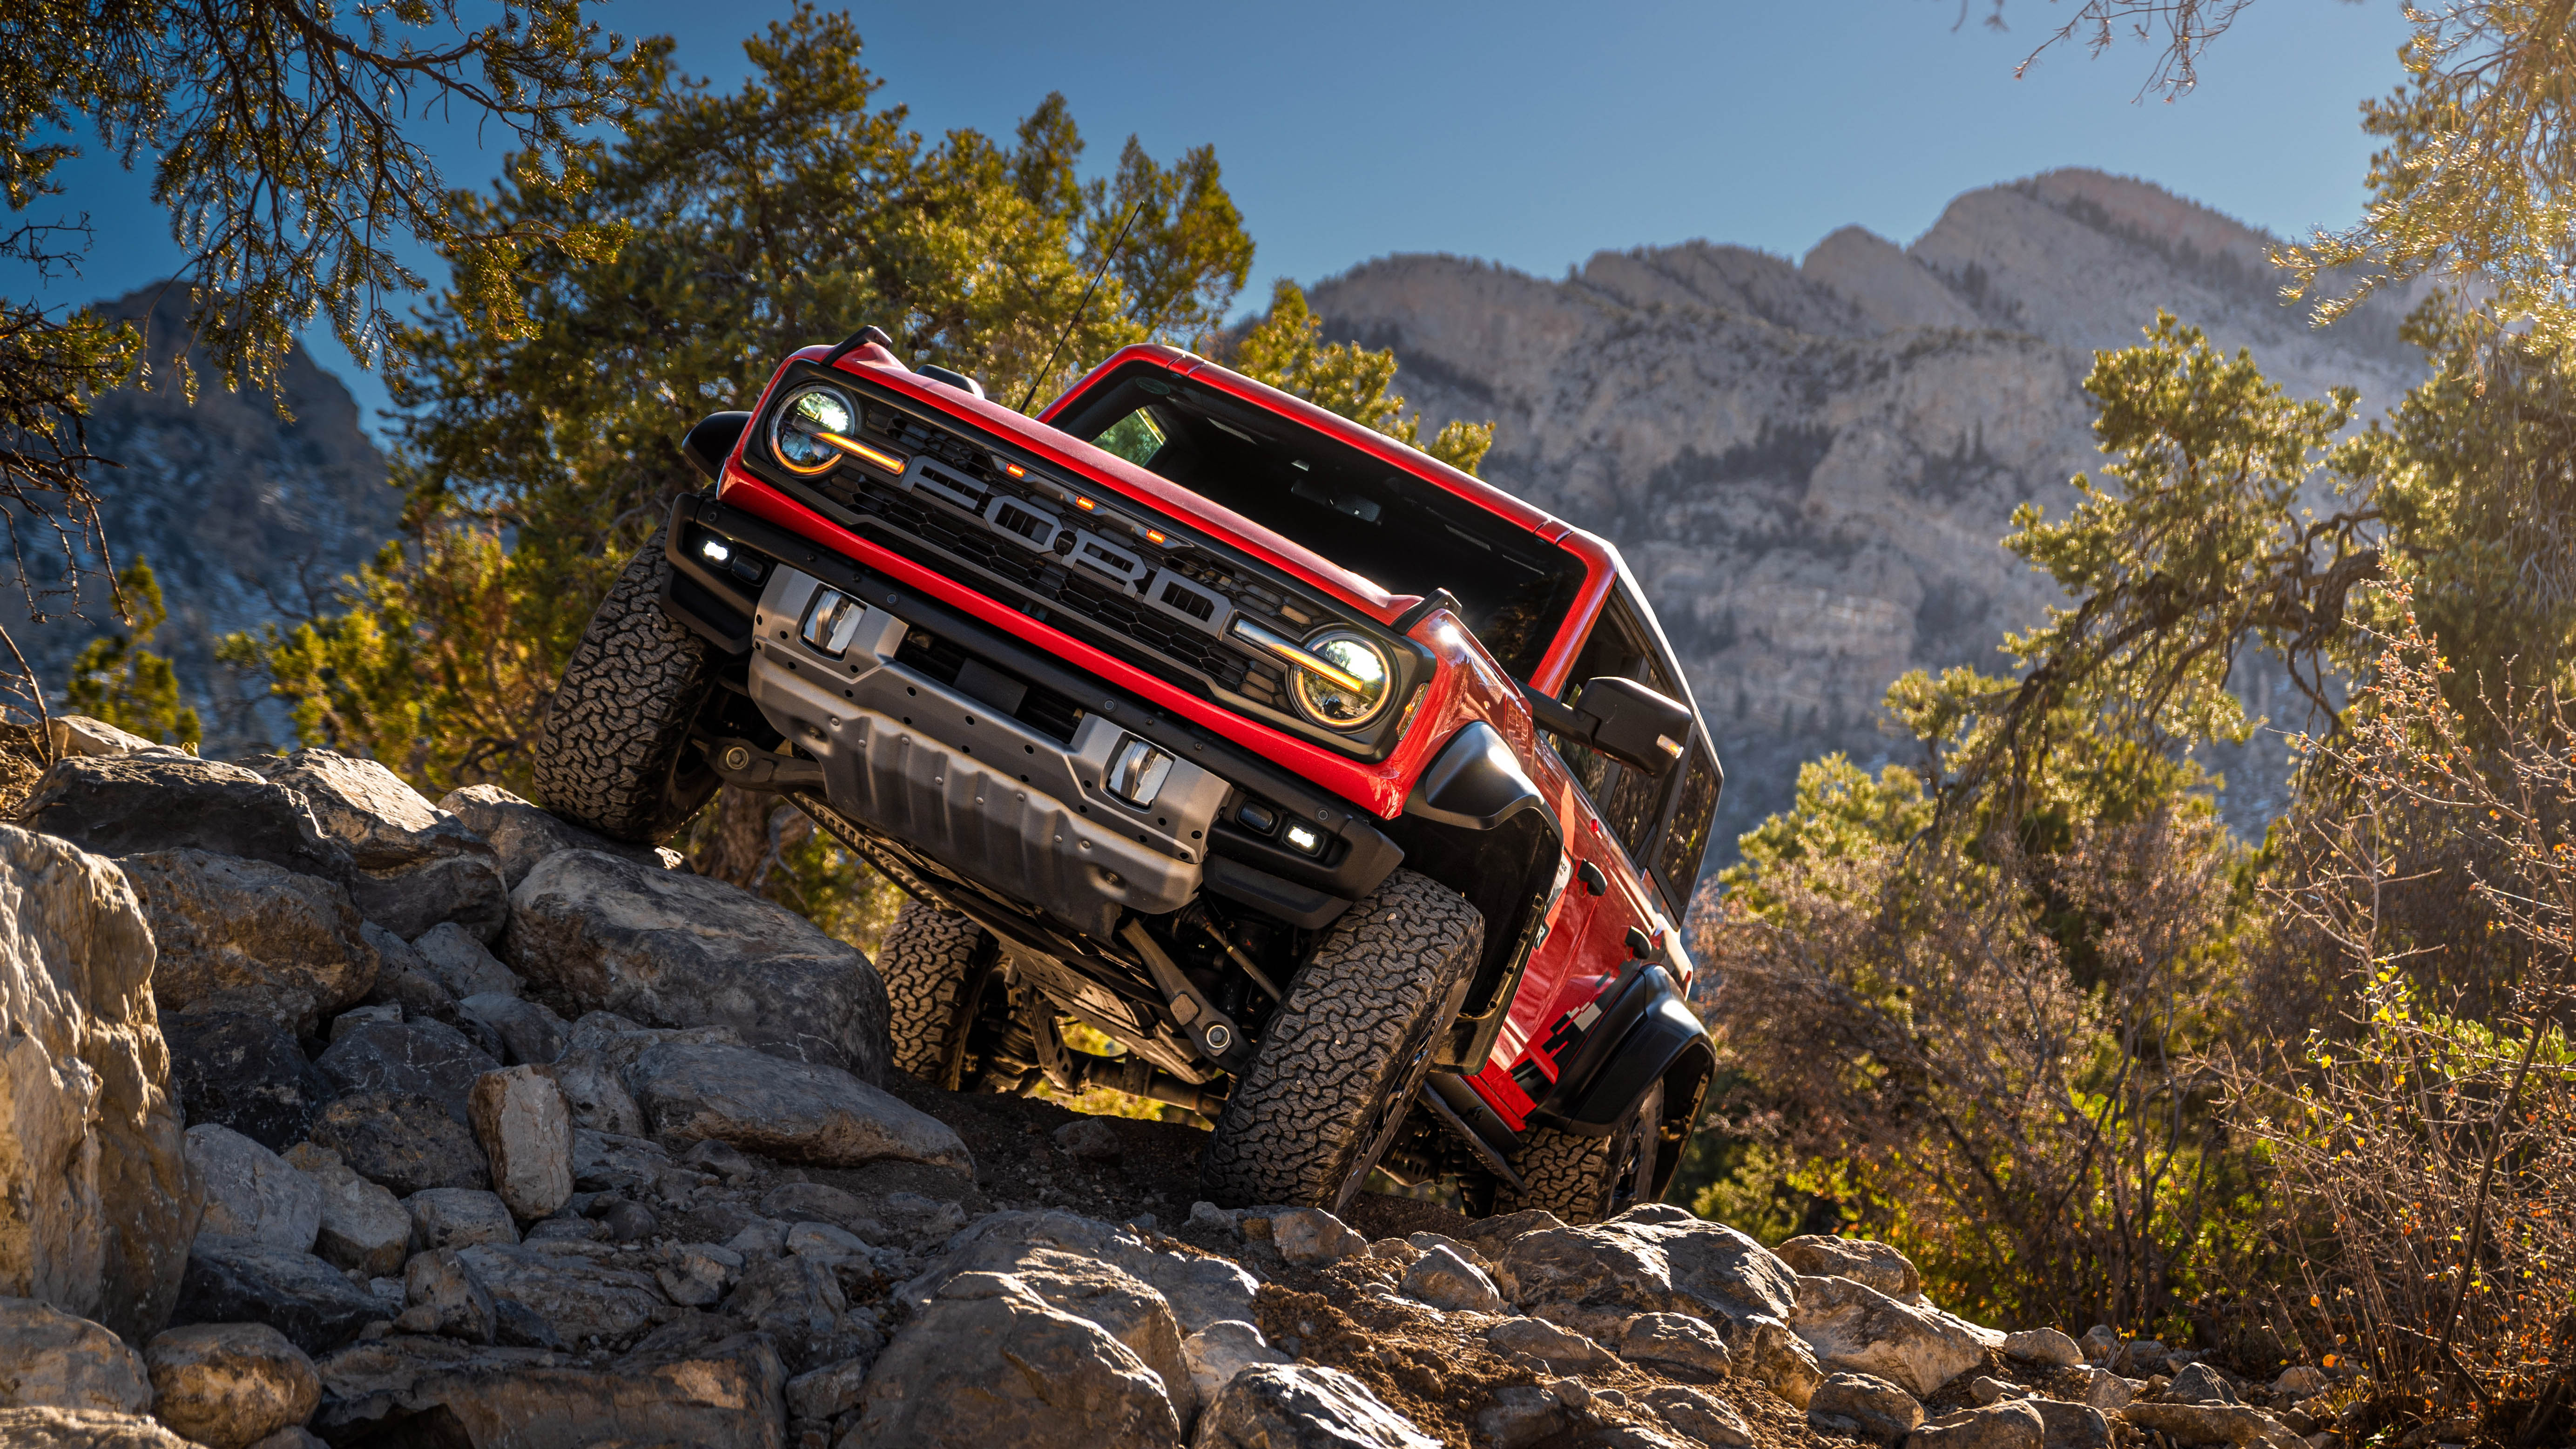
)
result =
(1686, 840)
(1630, 802)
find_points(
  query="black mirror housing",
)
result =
(1633, 724)
(711, 442)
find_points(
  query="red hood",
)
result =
(1179, 504)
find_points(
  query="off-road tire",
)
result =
(925, 961)
(1349, 1046)
(614, 755)
(1586, 1179)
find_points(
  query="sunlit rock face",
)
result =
(1810, 463)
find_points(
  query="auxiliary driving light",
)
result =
(1137, 771)
(1303, 838)
(832, 621)
(713, 550)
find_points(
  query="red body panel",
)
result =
(1586, 939)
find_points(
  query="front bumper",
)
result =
(1002, 803)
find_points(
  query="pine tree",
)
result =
(117, 679)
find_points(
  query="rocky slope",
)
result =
(495, 1136)
(246, 517)
(1809, 463)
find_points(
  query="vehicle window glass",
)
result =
(1686, 838)
(1408, 533)
(1631, 802)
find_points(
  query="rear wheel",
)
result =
(928, 956)
(615, 754)
(1586, 1179)
(1346, 1051)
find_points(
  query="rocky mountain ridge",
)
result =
(552, 1174)
(1809, 463)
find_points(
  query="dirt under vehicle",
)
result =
(1354, 797)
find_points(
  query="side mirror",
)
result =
(1622, 719)
(711, 442)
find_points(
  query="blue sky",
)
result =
(1537, 134)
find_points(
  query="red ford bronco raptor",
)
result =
(1355, 798)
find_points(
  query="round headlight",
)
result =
(1336, 706)
(809, 412)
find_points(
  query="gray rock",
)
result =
(2300, 1381)
(2013, 1424)
(2101, 1344)
(1676, 1345)
(799, 1304)
(236, 934)
(364, 1229)
(84, 737)
(1519, 1416)
(244, 1071)
(698, 1274)
(2200, 1384)
(528, 1034)
(440, 1297)
(830, 1391)
(606, 933)
(350, 1020)
(1701, 1418)
(1308, 1237)
(1125, 1307)
(93, 1167)
(1864, 1406)
(1562, 1349)
(628, 1221)
(230, 1385)
(1216, 1353)
(234, 1280)
(1443, 1279)
(415, 1058)
(406, 1143)
(1089, 1139)
(84, 1429)
(2044, 1346)
(598, 1098)
(608, 1162)
(1297, 1406)
(826, 1244)
(415, 864)
(143, 803)
(695, 1382)
(462, 964)
(58, 1361)
(403, 978)
(988, 1362)
(253, 1193)
(789, 1110)
(2205, 1423)
(458, 1217)
(1852, 1327)
(2104, 1389)
(1202, 1290)
(1859, 1259)
(522, 834)
(2072, 1426)
(565, 1295)
(2142, 1357)
(1653, 1259)
(526, 1131)
(723, 1159)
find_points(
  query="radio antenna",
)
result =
(1075, 320)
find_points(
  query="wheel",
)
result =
(1346, 1051)
(614, 755)
(925, 962)
(1586, 1179)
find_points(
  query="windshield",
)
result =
(1407, 534)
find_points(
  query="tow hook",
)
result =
(746, 766)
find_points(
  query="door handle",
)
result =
(1594, 881)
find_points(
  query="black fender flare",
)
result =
(1474, 783)
(1647, 1034)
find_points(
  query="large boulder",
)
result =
(415, 864)
(1854, 1328)
(252, 1192)
(790, 1110)
(989, 1362)
(524, 834)
(527, 1033)
(526, 1131)
(237, 934)
(1652, 1259)
(1202, 1290)
(235, 1280)
(50, 1359)
(602, 933)
(561, 1294)
(1863, 1406)
(241, 1070)
(1300, 1406)
(415, 1058)
(95, 1204)
(407, 1143)
(230, 1385)
(463, 964)
(1125, 1307)
(694, 1382)
(145, 802)
(1863, 1260)
(365, 1229)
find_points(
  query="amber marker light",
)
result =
(1015, 470)
(862, 451)
(1154, 536)
(1085, 504)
